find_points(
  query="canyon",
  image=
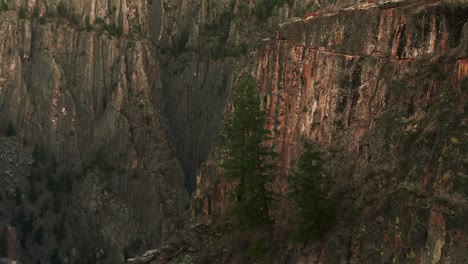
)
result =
(114, 112)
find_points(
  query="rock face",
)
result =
(89, 98)
(382, 88)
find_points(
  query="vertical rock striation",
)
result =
(89, 94)
(382, 88)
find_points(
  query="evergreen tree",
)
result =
(10, 130)
(308, 192)
(249, 158)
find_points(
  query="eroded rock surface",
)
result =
(90, 102)
(383, 89)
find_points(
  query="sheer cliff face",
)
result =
(384, 91)
(93, 102)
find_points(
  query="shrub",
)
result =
(99, 20)
(3, 5)
(42, 20)
(35, 12)
(266, 7)
(114, 30)
(88, 25)
(61, 9)
(22, 13)
(74, 19)
(50, 14)
(182, 43)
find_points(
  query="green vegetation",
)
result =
(138, 28)
(99, 162)
(62, 10)
(22, 13)
(266, 7)
(308, 192)
(88, 25)
(10, 130)
(42, 20)
(220, 28)
(99, 20)
(249, 160)
(114, 30)
(236, 50)
(50, 13)
(182, 43)
(74, 19)
(3, 5)
(258, 248)
(35, 12)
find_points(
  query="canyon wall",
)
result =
(83, 89)
(382, 88)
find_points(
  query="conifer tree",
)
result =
(10, 130)
(308, 192)
(249, 160)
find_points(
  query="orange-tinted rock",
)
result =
(377, 89)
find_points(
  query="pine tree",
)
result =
(249, 159)
(10, 130)
(308, 192)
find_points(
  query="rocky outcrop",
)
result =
(382, 89)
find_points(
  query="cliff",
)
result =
(382, 88)
(80, 85)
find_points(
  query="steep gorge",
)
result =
(128, 101)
